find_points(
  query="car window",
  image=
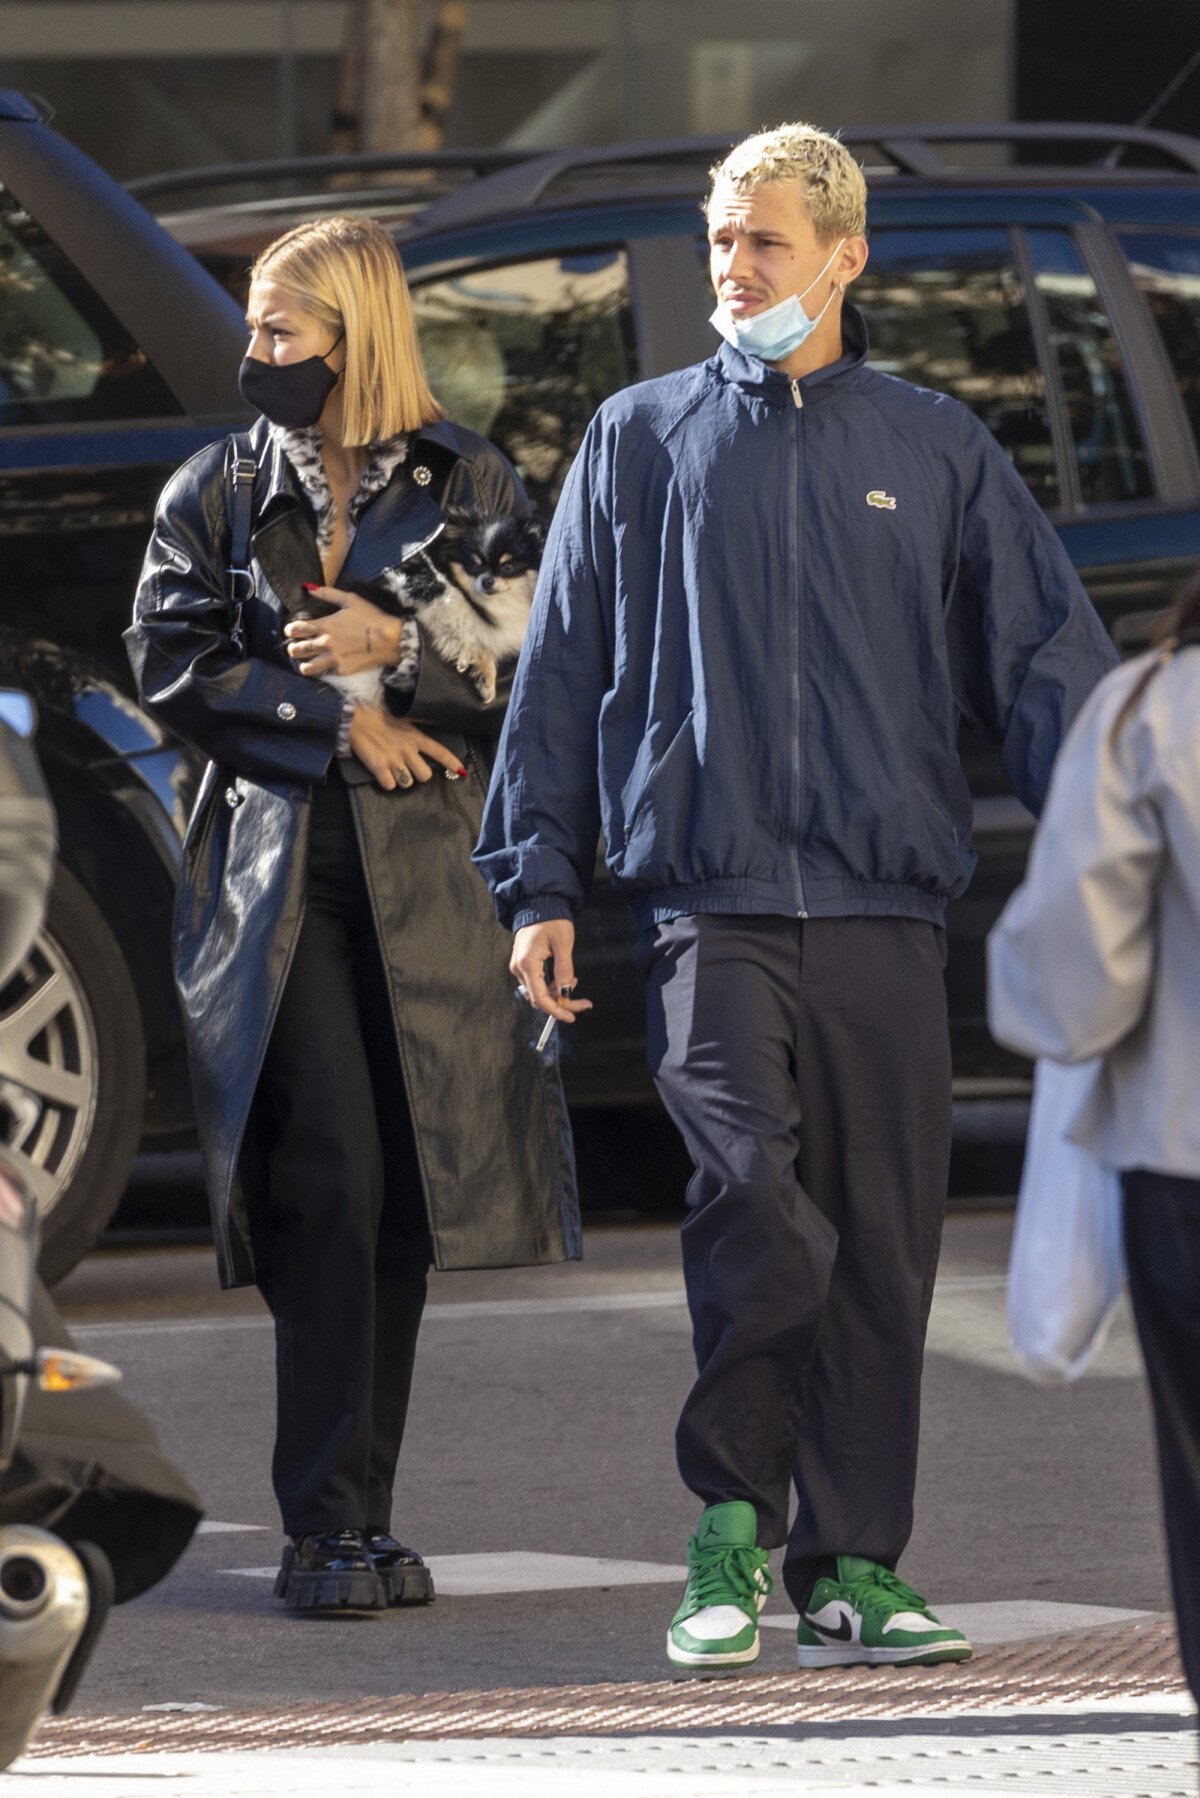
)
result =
(64, 357)
(1110, 453)
(946, 309)
(524, 353)
(1166, 268)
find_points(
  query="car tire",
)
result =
(72, 1074)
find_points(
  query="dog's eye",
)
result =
(506, 562)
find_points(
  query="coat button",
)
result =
(422, 475)
(232, 797)
(285, 710)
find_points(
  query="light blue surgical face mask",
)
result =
(775, 333)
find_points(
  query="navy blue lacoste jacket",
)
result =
(763, 607)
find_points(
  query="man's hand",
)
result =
(355, 638)
(397, 751)
(533, 947)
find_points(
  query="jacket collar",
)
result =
(764, 381)
(443, 442)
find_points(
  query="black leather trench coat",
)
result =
(488, 1113)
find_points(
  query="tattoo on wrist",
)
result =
(368, 630)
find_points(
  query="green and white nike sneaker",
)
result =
(868, 1617)
(728, 1585)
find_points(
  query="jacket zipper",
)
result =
(472, 762)
(797, 694)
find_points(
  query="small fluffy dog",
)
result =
(471, 590)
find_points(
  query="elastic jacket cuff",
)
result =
(542, 911)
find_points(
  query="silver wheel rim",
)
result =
(48, 1070)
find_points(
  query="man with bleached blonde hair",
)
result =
(775, 584)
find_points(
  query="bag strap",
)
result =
(1167, 649)
(240, 471)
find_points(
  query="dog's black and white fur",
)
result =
(471, 588)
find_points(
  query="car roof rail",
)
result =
(911, 150)
(313, 168)
(525, 183)
(1173, 147)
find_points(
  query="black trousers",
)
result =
(1162, 1248)
(340, 1237)
(807, 1065)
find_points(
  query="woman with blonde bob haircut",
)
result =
(369, 1098)
(346, 274)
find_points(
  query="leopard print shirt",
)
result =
(303, 451)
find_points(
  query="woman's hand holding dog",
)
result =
(396, 751)
(352, 640)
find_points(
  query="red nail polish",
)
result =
(310, 586)
(462, 774)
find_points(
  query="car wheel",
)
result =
(72, 1074)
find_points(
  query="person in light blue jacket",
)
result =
(775, 585)
(1097, 954)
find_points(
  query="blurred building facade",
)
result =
(146, 85)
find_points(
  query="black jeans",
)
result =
(1162, 1249)
(340, 1238)
(807, 1065)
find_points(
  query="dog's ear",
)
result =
(536, 531)
(458, 518)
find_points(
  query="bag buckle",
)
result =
(239, 593)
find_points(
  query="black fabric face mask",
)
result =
(291, 394)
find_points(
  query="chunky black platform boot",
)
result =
(330, 1573)
(405, 1577)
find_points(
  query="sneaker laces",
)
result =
(892, 1584)
(716, 1573)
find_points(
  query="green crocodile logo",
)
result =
(877, 497)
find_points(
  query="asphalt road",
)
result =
(542, 1425)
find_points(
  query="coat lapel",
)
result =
(286, 551)
(393, 527)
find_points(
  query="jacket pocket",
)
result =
(921, 845)
(655, 775)
(658, 819)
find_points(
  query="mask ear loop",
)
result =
(838, 287)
